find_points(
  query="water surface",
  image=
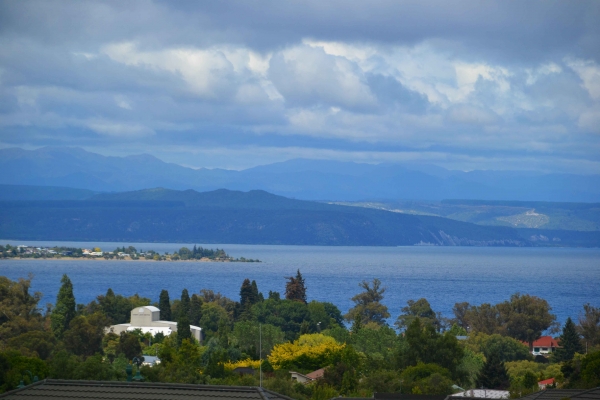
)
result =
(566, 277)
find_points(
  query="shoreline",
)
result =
(115, 260)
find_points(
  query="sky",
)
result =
(464, 85)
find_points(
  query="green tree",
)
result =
(417, 309)
(247, 297)
(460, 314)
(36, 343)
(589, 325)
(129, 345)
(183, 329)
(246, 336)
(64, 311)
(493, 375)
(212, 313)
(368, 305)
(164, 304)
(484, 318)
(426, 379)
(195, 309)
(295, 289)
(20, 313)
(256, 295)
(85, 333)
(288, 315)
(184, 305)
(506, 348)
(427, 346)
(570, 343)
(525, 317)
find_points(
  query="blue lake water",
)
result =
(566, 277)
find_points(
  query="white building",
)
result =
(147, 319)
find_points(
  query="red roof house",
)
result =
(544, 345)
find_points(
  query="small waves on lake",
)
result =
(566, 277)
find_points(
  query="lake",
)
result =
(566, 277)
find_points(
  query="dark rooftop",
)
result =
(50, 389)
(557, 394)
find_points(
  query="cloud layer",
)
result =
(464, 85)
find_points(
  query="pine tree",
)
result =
(164, 304)
(64, 311)
(195, 310)
(184, 306)
(256, 295)
(295, 288)
(183, 329)
(570, 343)
(246, 294)
(493, 375)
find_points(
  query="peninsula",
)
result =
(120, 253)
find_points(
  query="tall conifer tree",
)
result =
(570, 343)
(183, 329)
(195, 309)
(493, 375)
(164, 304)
(246, 294)
(64, 311)
(295, 288)
(184, 306)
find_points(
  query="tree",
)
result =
(417, 309)
(295, 288)
(460, 314)
(368, 305)
(184, 306)
(570, 343)
(247, 336)
(20, 312)
(64, 311)
(427, 346)
(506, 348)
(164, 304)
(246, 295)
(493, 375)
(129, 345)
(84, 336)
(426, 379)
(589, 324)
(195, 309)
(525, 317)
(483, 318)
(183, 329)
(256, 295)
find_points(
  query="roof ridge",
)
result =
(586, 391)
(190, 386)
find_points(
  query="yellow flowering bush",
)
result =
(311, 351)
(230, 366)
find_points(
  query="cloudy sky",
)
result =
(464, 85)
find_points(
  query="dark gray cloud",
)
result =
(234, 84)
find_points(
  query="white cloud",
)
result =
(589, 72)
(118, 129)
(122, 102)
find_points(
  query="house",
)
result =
(544, 345)
(312, 376)
(147, 319)
(546, 383)
(482, 394)
(107, 390)
(151, 361)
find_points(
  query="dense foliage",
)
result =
(278, 335)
